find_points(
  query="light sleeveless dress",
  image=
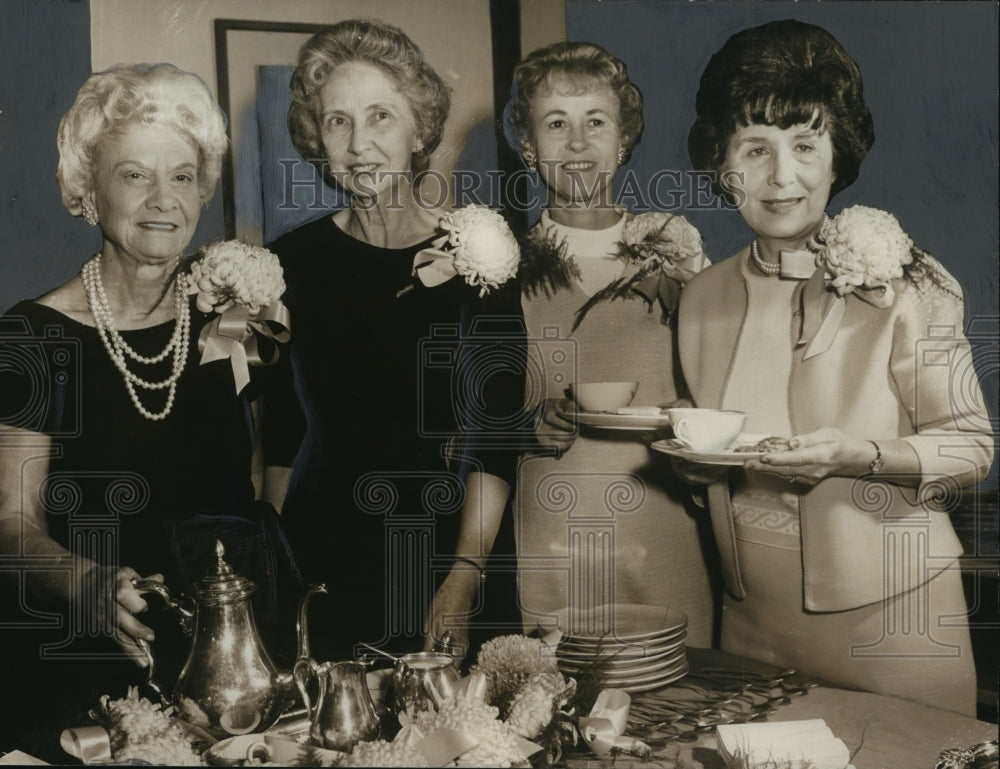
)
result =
(605, 522)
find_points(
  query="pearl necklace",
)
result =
(768, 268)
(118, 349)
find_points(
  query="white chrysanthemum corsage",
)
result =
(236, 273)
(864, 247)
(243, 284)
(477, 244)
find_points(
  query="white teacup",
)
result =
(603, 396)
(707, 430)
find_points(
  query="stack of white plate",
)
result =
(641, 647)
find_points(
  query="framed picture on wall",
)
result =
(269, 189)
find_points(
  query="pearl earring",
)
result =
(89, 213)
(418, 148)
(622, 157)
(529, 158)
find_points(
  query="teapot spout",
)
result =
(302, 625)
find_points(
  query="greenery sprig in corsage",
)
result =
(546, 264)
(664, 248)
(243, 284)
(477, 244)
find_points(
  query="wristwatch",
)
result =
(876, 465)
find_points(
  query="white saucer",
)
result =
(620, 624)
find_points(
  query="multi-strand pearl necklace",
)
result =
(768, 268)
(118, 349)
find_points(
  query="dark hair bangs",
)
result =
(785, 110)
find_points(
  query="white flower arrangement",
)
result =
(233, 273)
(477, 244)
(139, 731)
(508, 661)
(864, 247)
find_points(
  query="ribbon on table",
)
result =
(235, 333)
(604, 728)
(824, 305)
(90, 744)
(434, 266)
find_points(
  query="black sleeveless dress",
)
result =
(124, 490)
(389, 373)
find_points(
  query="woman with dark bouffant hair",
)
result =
(399, 519)
(838, 559)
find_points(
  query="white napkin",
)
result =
(19, 758)
(800, 744)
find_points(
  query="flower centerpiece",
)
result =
(524, 683)
(131, 730)
(477, 244)
(243, 284)
(515, 705)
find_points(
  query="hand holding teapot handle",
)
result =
(154, 584)
(129, 633)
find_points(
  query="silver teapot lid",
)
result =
(222, 584)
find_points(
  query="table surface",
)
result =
(880, 732)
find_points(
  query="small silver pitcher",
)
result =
(343, 712)
(417, 677)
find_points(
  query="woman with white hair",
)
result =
(116, 445)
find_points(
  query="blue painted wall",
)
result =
(931, 83)
(44, 58)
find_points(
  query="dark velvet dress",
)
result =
(389, 373)
(127, 491)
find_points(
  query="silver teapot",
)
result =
(228, 685)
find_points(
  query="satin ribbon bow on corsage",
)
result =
(242, 283)
(477, 244)
(860, 251)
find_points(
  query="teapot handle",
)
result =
(304, 671)
(183, 607)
